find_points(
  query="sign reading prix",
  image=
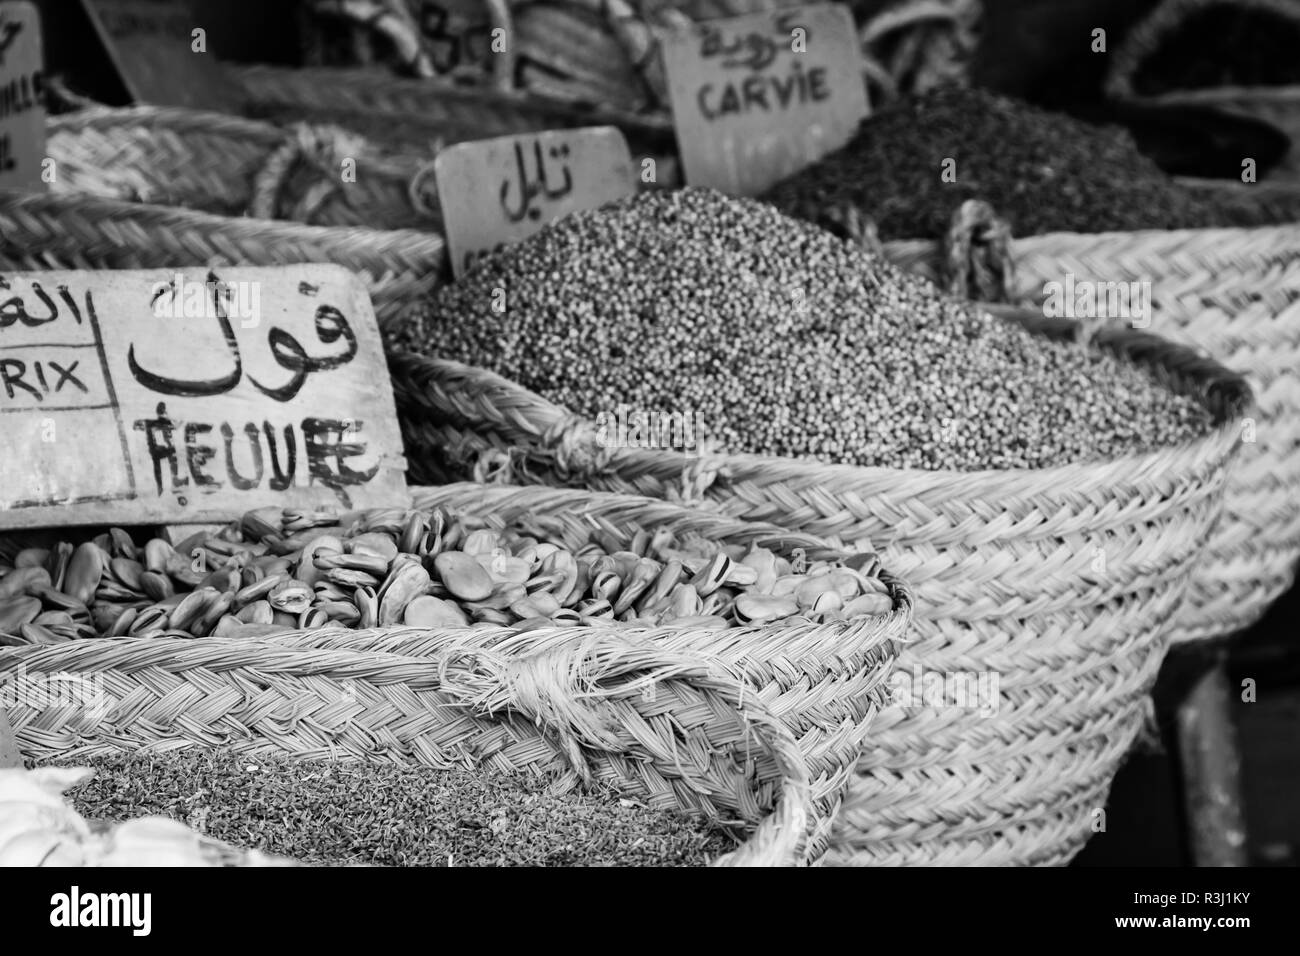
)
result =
(175, 396)
(757, 98)
(22, 92)
(152, 44)
(497, 191)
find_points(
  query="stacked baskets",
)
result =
(1005, 567)
(666, 714)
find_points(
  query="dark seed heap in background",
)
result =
(388, 815)
(1041, 171)
(1224, 45)
(784, 340)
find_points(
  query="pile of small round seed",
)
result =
(387, 815)
(781, 339)
(276, 571)
(1041, 171)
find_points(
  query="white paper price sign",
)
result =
(497, 191)
(756, 98)
(173, 396)
(22, 90)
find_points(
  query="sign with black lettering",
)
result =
(160, 50)
(497, 191)
(757, 98)
(174, 396)
(22, 104)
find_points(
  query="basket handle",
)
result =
(1146, 37)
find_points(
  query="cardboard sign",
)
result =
(184, 395)
(757, 98)
(22, 105)
(152, 43)
(497, 191)
(10, 756)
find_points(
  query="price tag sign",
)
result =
(757, 98)
(22, 108)
(159, 48)
(497, 191)
(183, 396)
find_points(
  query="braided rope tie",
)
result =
(977, 254)
(319, 149)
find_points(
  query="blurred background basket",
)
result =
(1232, 294)
(575, 712)
(1149, 39)
(1003, 567)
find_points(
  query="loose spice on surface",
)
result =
(1041, 171)
(389, 815)
(784, 340)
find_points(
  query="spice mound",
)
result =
(1041, 171)
(278, 570)
(340, 813)
(768, 335)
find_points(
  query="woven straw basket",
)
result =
(80, 231)
(1007, 577)
(210, 162)
(824, 682)
(1233, 294)
(658, 724)
(1278, 105)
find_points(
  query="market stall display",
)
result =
(1211, 267)
(1062, 579)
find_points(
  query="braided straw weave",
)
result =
(658, 724)
(231, 166)
(1278, 105)
(1233, 294)
(79, 231)
(1063, 583)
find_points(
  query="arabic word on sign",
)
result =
(757, 98)
(497, 191)
(159, 49)
(192, 395)
(22, 97)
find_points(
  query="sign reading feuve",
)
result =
(757, 98)
(191, 395)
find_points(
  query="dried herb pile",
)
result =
(386, 815)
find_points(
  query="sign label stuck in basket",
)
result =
(757, 98)
(22, 97)
(164, 396)
(159, 49)
(497, 191)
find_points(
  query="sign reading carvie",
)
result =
(22, 97)
(757, 98)
(159, 49)
(168, 396)
(497, 191)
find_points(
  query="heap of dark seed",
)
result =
(784, 340)
(1223, 45)
(386, 815)
(1041, 171)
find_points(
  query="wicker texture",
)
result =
(230, 166)
(1063, 582)
(1278, 105)
(664, 726)
(78, 231)
(1233, 294)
